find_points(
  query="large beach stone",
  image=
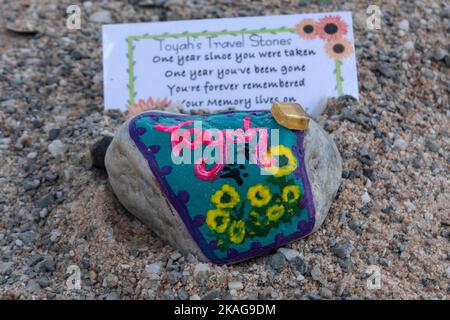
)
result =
(216, 216)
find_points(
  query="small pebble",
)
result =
(365, 198)
(439, 53)
(101, 16)
(201, 270)
(404, 25)
(400, 144)
(344, 250)
(235, 285)
(325, 293)
(277, 261)
(57, 148)
(110, 281)
(154, 268)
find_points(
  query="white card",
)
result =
(242, 62)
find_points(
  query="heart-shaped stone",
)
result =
(226, 186)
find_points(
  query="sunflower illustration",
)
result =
(287, 163)
(259, 195)
(290, 193)
(217, 220)
(339, 49)
(275, 212)
(143, 105)
(237, 231)
(226, 197)
(331, 28)
(306, 29)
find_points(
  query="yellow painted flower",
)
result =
(237, 231)
(226, 198)
(255, 216)
(287, 163)
(259, 195)
(291, 193)
(275, 212)
(218, 220)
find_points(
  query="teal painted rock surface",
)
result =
(226, 187)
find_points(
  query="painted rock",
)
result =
(225, 187)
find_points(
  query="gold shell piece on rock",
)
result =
(290, 115)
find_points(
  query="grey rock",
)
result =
(301, 265)
(135, 185)
(344, 250)
(340, 287)
(212, 294)
(183, 294)
(325, 293)
(28, 237)
(317, 275)
(57, 148)
(431, 145)
(252, 295)
(384, 262)
(54, 133)
(6, 268)
(345, 264)
(228, 296)
(355, 224)
(31, 184)
(9, 106)
(235, 285)
(439, 53)
(314, 296)
(201, 270)
(445, 233)
(365, 197)
(277, 261)
(428, 74)
(385, 69)
(4, 143)
(43, 282)
(46, 266)
(409, 45)
(113, 296)
(110, 281)
(447, 60)
(76, 55)
(445, 13)
(33, 286)
(174, 277)
(101, 16)
(400, 144)
(169, 294)
(45, 201)
(324, 167)
(175, 256)
(404, 25)
(154, 268)
(289, 254)
(152, 3)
